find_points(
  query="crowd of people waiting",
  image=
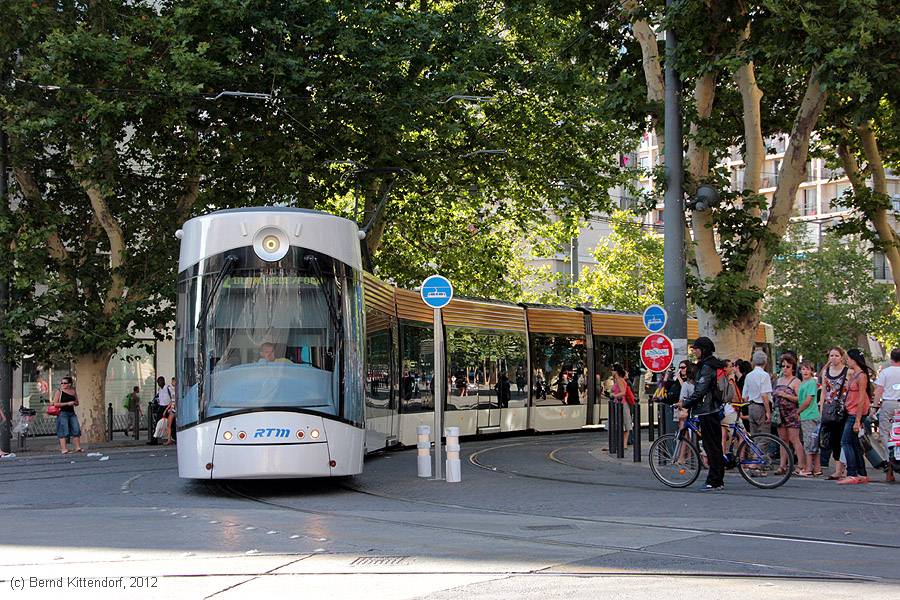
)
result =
(823, 416)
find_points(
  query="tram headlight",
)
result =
(314, 434)
(227, 435)
(270, 244)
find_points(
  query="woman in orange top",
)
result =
(857, 405)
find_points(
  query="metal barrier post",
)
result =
(136, 419)
(611, 426)
(151, 423)
(109, 423)
(637, 432)
(423, 450)
(620, 430)
(453, 470)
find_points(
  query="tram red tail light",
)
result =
(299, 433)
(242, 435)
(332, 463)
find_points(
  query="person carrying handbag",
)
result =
(834, 392)
(65, 400)
(857, 405)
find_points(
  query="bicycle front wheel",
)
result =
(675, 462)
(759, 461)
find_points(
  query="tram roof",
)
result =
(222, 230)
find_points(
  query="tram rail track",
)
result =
(474, 460)
(774, 570)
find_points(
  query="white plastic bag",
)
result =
(160, 430)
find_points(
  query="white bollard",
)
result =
(423, 450)
(454, 474)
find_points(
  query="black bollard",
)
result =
(136, 419)
(109, 423)
(651, 426)
(620, 430)
(610, 422)
(151, 424)
(637, 432)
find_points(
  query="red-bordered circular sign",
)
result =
(657, 352)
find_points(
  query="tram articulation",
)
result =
(292, 362)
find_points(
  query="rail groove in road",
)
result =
(786, 572)
(474, 460)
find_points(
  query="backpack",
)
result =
(723, 392)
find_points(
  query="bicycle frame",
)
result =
(692, 425)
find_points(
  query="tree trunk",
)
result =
(879, 216)
(90, 382)
(732, 340)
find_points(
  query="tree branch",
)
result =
(29, 187)
(188, 197)
(879, 215)
(706, 255)
(114, 234)
(751, 95)
(646, 37)
(793, 171)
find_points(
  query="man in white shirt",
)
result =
(758, 392)
(887, 400)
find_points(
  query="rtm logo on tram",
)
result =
(279, 433)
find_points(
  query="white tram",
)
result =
(292, 362)
(269, 345)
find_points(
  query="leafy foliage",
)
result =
(818, 298)
(628, 275)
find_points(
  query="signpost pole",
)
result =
(437, 391)
(437, 292)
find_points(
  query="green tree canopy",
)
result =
(119, 132)
(629, 271)
(823, 297)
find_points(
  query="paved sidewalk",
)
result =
(48, 444)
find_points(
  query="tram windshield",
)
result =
(271, 339)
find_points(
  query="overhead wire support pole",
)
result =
(6, 370)
(675, 294)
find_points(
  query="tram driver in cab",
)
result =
(267, 354)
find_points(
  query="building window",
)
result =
(881, 272)
(808, 202)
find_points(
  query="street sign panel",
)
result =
(657, 352)
(437, 292)
(655, 318)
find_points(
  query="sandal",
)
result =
(817, 474)
(798, 473)
(781, 471)
(80, 450)
(834, 477)
(63, 451)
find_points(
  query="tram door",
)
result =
(381, 408)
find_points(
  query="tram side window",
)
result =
(186, 341)
(379, 374)
(416, 367)
(486, 369)
(559, 363)
(609, 351)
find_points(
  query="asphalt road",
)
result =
(536, 517)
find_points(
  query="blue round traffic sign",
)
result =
(437, 292)
(655, 318)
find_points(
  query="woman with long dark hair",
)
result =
(857, 405)
(786, 395)
(831, 407)
(622, 393)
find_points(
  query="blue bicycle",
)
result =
(675, 458)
